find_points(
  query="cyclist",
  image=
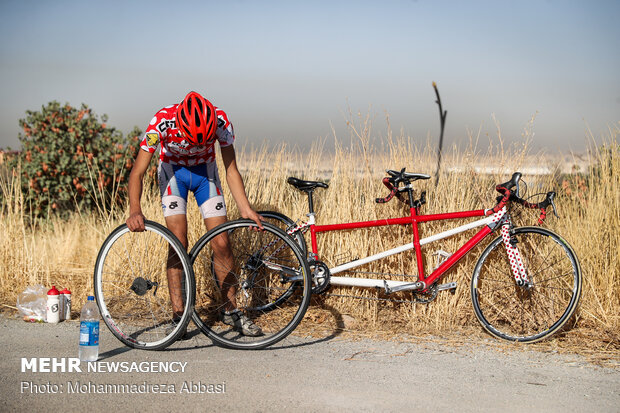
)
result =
(186, 133)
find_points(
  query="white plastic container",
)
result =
(53, 306)
(65, 304)
(89, 331)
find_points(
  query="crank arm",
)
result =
(448, 286)
(404, 287)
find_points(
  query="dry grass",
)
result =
(63, 252)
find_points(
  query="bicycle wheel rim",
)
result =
(132, 289)
(264, 266)
(515, 313)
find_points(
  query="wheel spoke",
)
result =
(142, 317)
(535, 311)
(257, 278)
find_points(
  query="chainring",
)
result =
(427, 295)
(320, 276)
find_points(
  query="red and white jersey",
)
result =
(174, 149)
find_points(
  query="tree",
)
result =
(72, 160)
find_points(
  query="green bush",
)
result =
(71, 160)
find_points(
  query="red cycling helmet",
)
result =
(196, 119)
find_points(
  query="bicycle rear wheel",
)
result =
(263, 267)
(527, 313)
(284, 223)
(132, 286)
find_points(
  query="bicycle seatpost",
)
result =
(310, 202)
(308, 187)
(410, 193)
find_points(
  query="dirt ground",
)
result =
(329, 373)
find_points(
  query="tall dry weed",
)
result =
(63, 252)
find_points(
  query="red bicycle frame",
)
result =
(414, 219)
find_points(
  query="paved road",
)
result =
(329, 374)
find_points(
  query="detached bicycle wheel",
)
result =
(138, 276)
(256, 279)
(531, 312)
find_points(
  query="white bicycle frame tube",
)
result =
(369, 282)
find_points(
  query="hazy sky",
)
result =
(287, 70)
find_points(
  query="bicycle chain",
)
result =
(420, 298)
(393, 300)
(424, 298)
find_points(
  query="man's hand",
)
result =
(254, 216)
(135, 222)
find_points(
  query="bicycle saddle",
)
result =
(306, 186)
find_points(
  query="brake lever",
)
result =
(549, 201)
(555, 212)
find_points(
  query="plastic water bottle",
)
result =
(89, 331)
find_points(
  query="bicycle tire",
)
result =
(264, 266)
(518, 313)
(132, 290)
(283, 222)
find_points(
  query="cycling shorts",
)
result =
(175, 181)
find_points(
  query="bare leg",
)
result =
(178, 225)
(223, 263)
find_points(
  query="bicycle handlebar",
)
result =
(510, 195)
(395, 179)
(514, 181)
(388, 182)
(509, 191)
(543, 205)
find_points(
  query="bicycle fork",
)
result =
(514, 256)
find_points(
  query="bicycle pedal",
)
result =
(448, 286)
